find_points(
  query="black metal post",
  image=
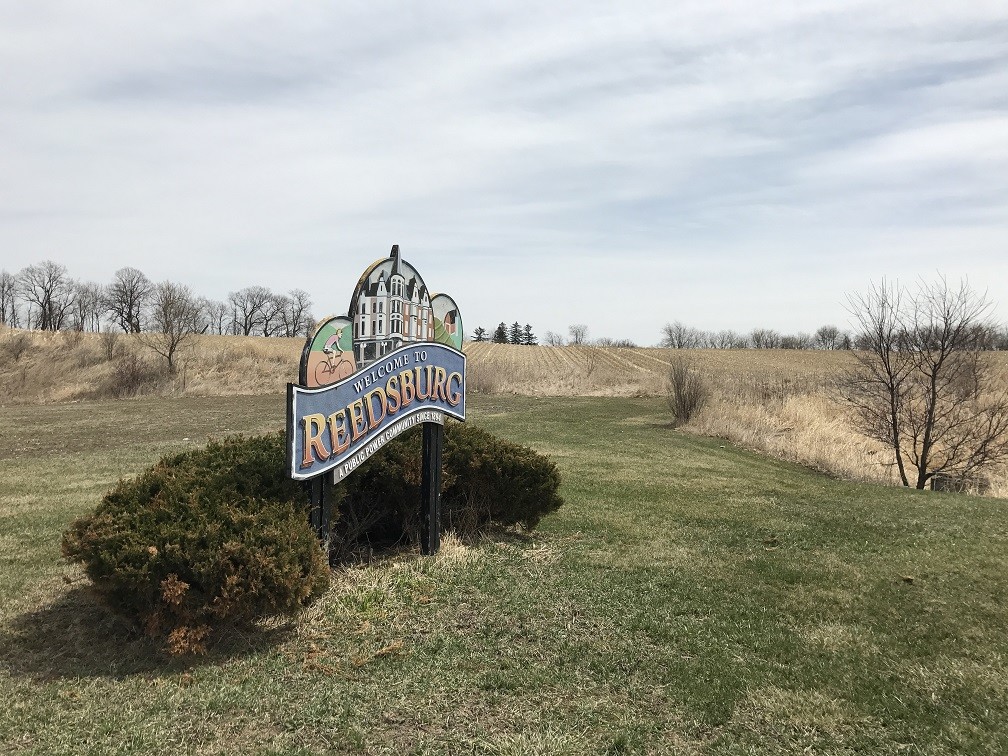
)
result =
(328, 494)
(315, 505)
(430, 489)
(321, 495)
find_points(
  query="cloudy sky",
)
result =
(623, 165)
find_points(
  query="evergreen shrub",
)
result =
(219, 535)
(485, 480)
(489, 479)
(209, 537)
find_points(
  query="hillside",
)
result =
(44, 367)
(779, 402)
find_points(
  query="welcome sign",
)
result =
(392, 362)
(338, 427)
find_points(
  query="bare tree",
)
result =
(249, 306)
(214, 314)
(8, 304)
(1001, 339)
(986, 336)
(174, 319)
(796, 341)
(724, 339)
(298, 317)
(827, 337)
(551, 338)
(578, 334)
(687, 391)
(923, 385)
(678, 336)
(88, 306)
(126, 297)
(273, 312)
(764, 338)
(729, 339)
(49, 293)
(205, 307)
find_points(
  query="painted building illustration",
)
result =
(390, 307)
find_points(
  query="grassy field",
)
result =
(689, 597)
(780, 402)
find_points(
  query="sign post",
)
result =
(393, 362)
(430, 489)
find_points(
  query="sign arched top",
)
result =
(391, 307)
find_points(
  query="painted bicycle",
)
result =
(335, 366)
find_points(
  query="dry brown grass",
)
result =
(565, 371)
(780, 402)
(787, 405)
(70, 366)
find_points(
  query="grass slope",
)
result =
(689, 597)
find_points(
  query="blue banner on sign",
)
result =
(339, 426)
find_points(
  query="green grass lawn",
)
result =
(689, 597)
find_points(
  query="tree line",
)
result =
(676, 335)
(516, 334)
(504, 334)
(45, 297)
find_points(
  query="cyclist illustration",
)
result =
(335, 366)
(325, 359)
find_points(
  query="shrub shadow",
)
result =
(76, 636)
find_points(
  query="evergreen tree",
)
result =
(529, 338)
(515, 334)
(500, 335)
(479, 334)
